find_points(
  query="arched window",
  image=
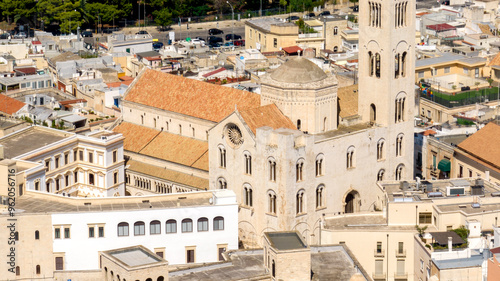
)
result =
(248, 193)
(272, 169)
(272, 202)
(300, 202)
(248, 163)
(139, 228)
(350, 158)
(161, 278)
(396, 65)
(155, 227)
(371, 60)
(299, 166)
(123, 229)
(171, 226)
(202, 224)
(222, 156)
(380, 149)
(218, 223)
(399, 107)
(319, 165)
(400, 172)
(222, 183)
(377, 65)
(142, 120)
(335, 49)
(298, 124)
(273, 269)
(335, 30)
(180, 129)
(380, 175)
(18, 271)
(187, 225)
(319, 196)
(403, 64)
(399, 145)
(373, 113)
(38, 269)
(37, 234)
(324, 125)
(91, 179)
(154, 121)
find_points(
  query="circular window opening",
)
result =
(233, 135)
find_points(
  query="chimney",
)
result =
(450, 244)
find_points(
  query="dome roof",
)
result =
(298, 70)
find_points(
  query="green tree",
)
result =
(163, 17)
(13, 10)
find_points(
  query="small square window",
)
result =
(66, 233)
(57, 233)
(101, 231)
(91, 232)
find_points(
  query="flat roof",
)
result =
(473, 261)
(134, 256)
(285, 240)
(29, 139)
(41, 202)
(20, 79)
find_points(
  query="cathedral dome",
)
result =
(298, 70)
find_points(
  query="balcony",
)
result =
(378, 276)
(400, 254)
(400, 275)
(379, 253)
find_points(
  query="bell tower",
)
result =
(386, 61)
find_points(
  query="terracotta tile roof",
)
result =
(495, 60)
(292, 49)
(220, 69)
(441, 27)
(126, 78)
(167, 174)
(189, 97)
(9, 105)
(484, 28)
(170, 147)
(484, 144)
(114, 84)
(66, 102)
(268, 115)
(348, 100)
(26, 70)
(429, 132)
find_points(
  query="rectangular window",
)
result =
(59, 263)
(91, 232)
(190, 256)
(275, 42)
(379, 267)
(56, 162)
(400, 247)
(75, 155)
(101, 231)
(115, 156)
(81, 155)
(447, 70)
(91, 157)
(57, 233)
(420, 74)
(47, 165)
(466, 71)
(160, 254)
(66, 158)
(425, 218)
(379, 247)
(476, 72)
(115, 177)
(400, 267)
(220, 250)
(66, 233)
(37, 185)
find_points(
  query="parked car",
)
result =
(311, 15)
(20, 35)
(239, 42)
(201, 39)
(324, 13)
(215, 31)
(87, 34)
(293, 18)
(142, 32)
(214, 39)
(4, 36)
(229, 44)
(214, 45)
(232, 37)
(157, 46)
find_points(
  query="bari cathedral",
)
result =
(326, 157)
(302, 150)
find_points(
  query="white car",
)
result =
(20, 35)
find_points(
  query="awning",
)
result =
(444, 165)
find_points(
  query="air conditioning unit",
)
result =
(455, 191)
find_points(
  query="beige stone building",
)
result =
(270, 34)
(479, 155)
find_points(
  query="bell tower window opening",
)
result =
(371, 60)
(396, 65)
(377, 65)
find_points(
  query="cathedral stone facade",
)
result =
(290, 179)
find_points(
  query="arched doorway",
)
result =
(351, 202)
